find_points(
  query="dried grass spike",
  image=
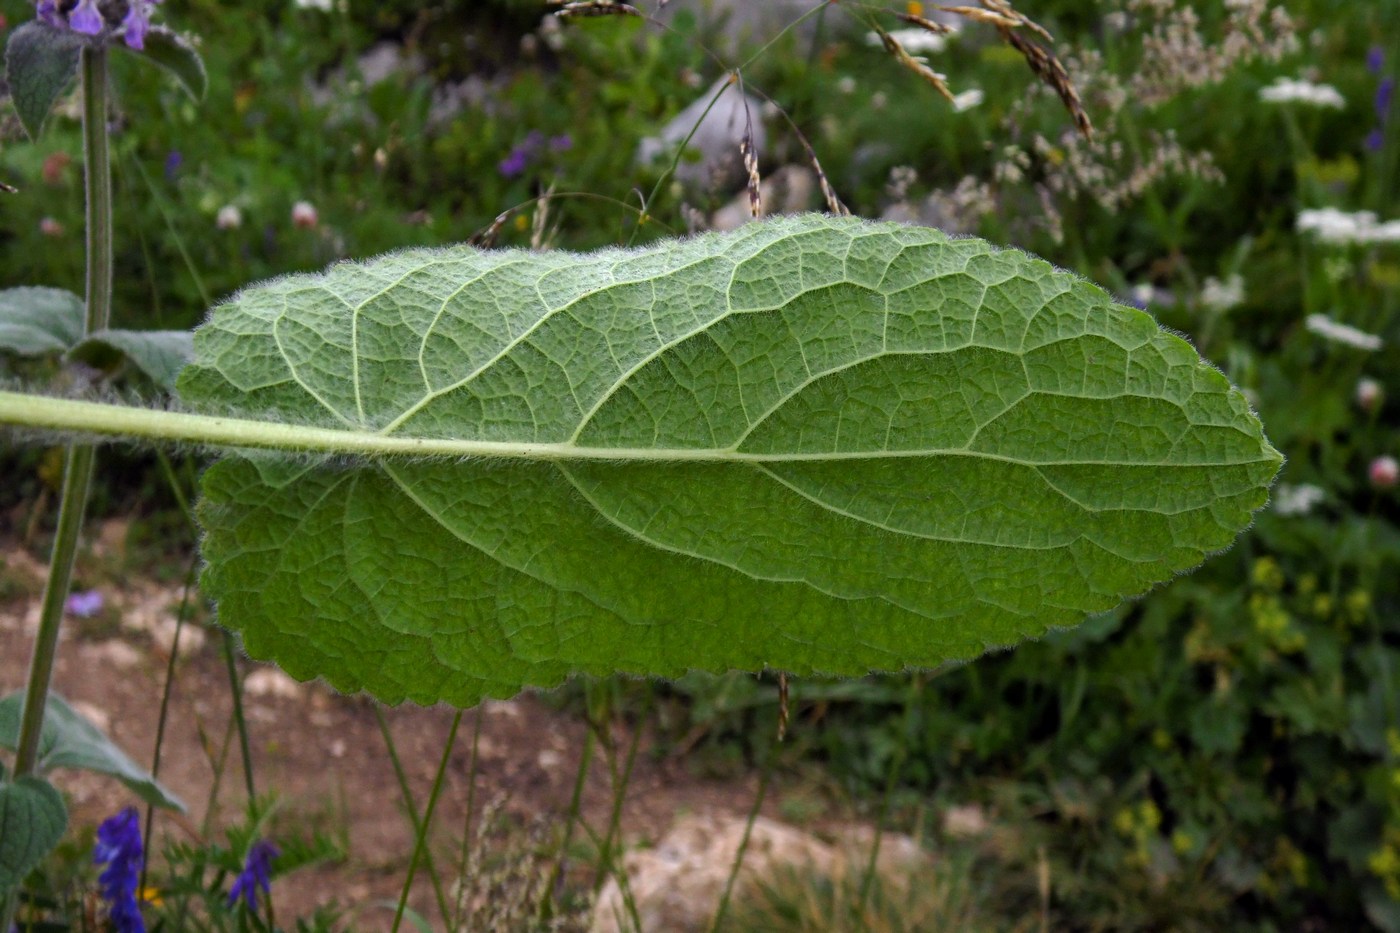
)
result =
(902, 56)
(751, 168)
(597, 8)
(487, 238)
(1004, 8)
(938, 29)
(1048, 69)
(782, 706)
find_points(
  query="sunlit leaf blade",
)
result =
(69, 740)
(160, 354)
(35, 320)
(40, 64)
(815, 444)
(32, 821)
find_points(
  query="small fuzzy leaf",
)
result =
(814, 444)
(40, 62)
(160, 354)
(177, 55)
(69, 741)
(32, 821)
(36, 320)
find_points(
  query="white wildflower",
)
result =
(968, 99)
(846, 84)
(313, 5)
(1369, 394)
(1337, 332)
(913, 40)
(1335, 226)
(1222, 296)
(229, 217)
(1297, 500)
(1291, 91)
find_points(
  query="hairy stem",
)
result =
(77, 473)
(77, 470)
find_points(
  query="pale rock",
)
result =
(113, 653)
(790, 190)
(716, 139)
(677, 885)
(271, 683)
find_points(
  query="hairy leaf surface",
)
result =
(815, 445)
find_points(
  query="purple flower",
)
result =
(84, 604)
(172, 164)
(137, 23)
(1375, 140)
(256, 874)
(47, 12)
(1385, 92)
(85, 18)
(515, 163)
(119, 848)
(1375, 59)
(561, 143)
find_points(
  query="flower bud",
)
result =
(1384, 472)
(1369, 394)
(304, 215)
(230, 217)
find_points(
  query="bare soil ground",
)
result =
(321, 753)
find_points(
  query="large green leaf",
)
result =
(40, 64)
(160, 354)
(35, 320)
(68, 740)
(32, 821)
(815, 444)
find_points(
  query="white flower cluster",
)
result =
(1337, 332)
(1222, 296)
(1334, 226)
(1293, 91)
(1297, 500)
(914, 41)
(968, 99)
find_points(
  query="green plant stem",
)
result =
(734, 869)
(421, 843)
(409, 805)
(77, 473)
(77, 470)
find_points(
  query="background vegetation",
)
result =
(1224, 754)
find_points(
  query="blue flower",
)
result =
(255, 874)
(1375, 140)
(1375, 59)
(119, 848)
(1385, 92)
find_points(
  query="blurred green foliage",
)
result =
(1225, 754)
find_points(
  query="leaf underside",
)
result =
(849, 447)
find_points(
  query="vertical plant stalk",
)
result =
(78, 460)
(77, 472)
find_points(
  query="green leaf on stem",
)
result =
(160, 354)
(36, 320)
(177, 55)
(40, 63)
(814, 444)
(68, 740)
(32, 821)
